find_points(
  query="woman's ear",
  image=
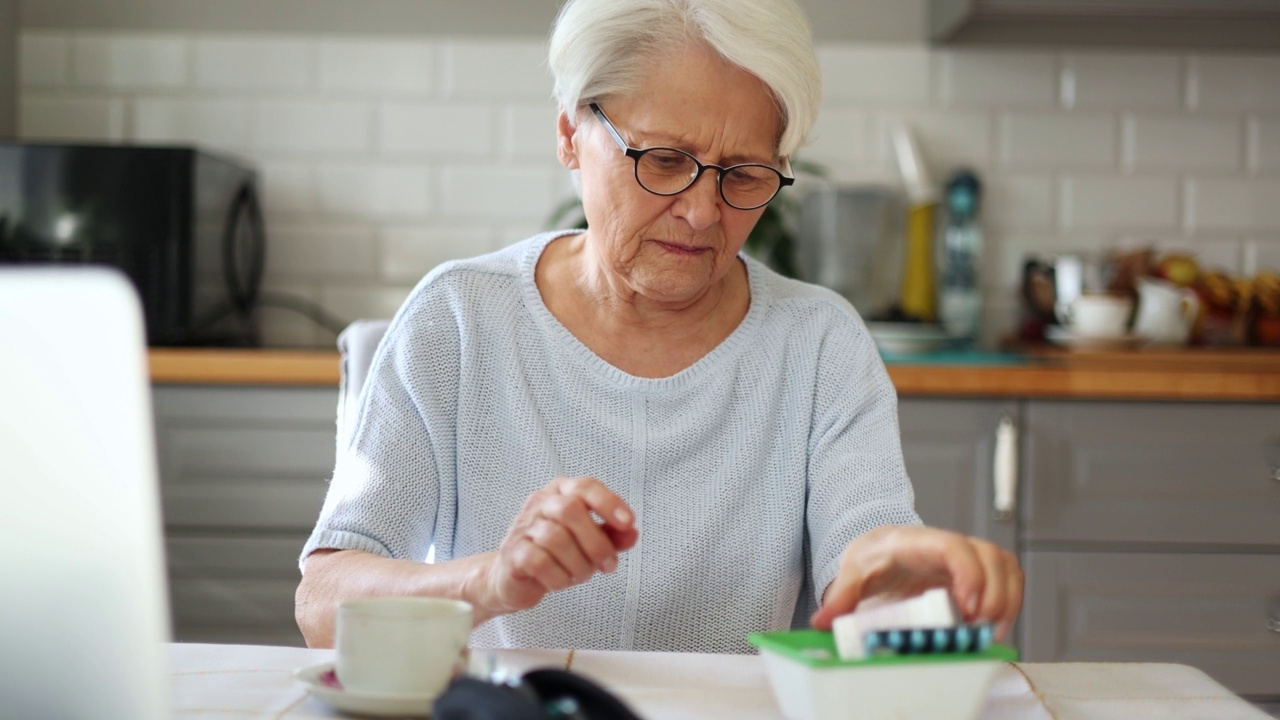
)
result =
(566, 141)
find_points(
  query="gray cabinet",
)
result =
(1212, 611)
(949, 450)
(243, 475)
(1151, 533)
(1154, 473)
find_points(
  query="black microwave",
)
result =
(183, 224)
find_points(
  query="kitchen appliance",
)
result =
(849, 240)
(184, 226)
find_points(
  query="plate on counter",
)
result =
(908, 338)
(1065, 338)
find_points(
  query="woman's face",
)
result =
(673, 249)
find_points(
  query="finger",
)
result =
(841, 597)
(600, 500)
(967, 574)
(593, 542)
(994, 581)
(533, 562)
(1015, 584)
(563, 548)
(623, 540)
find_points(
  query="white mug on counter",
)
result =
(1166, 312)
(1099, 316)
(406, 646)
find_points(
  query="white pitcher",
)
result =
(1166, 312)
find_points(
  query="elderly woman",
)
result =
(635, 436)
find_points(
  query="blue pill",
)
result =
(940, 639)
(894, 639)
(985, 636)
(917, 640)
(963, 638)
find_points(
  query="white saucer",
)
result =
(1066, 338)
(321, 683)
(908, 338)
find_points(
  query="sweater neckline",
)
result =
(560, 335)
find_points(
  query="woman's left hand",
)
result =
(901, 561)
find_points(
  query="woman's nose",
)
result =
(699, 205)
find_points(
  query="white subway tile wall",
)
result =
(1059, 140)
(223, 124)
(72, 118)
(1108, 80)
(426, 129)
(1264, 145)
(138, 61)
(377, 67)
(381, 157)
(1109, 202)
(44, 59)
(254, 63)
(1196, 143)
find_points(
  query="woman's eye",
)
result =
(745, 178)
(667, 161)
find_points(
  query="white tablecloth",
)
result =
(247, 681)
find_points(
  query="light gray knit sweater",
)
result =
(748, 472)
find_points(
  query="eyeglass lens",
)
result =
(667, 171)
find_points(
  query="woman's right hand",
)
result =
(555, 543)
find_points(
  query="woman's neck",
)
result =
(634, 333)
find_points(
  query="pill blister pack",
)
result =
(919, 641)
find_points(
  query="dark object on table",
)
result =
(546, 694)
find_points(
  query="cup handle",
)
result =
(1190, 304)
(1063, 311)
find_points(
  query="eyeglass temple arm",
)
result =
(604, 120)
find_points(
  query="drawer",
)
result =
(238, 458)
(1152, 472)
(237, 590)
(1219, 613)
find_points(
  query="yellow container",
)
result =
(919, 299)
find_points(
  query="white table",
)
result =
(248, 681)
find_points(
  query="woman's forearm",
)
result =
(331, 576)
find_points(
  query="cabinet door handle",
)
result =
(1275, 473)
(1273, 624)
(1004, 470)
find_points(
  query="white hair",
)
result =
(604, 47)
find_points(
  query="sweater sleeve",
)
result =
(385, 494)
(856, 477)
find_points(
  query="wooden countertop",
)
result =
(1246, 375)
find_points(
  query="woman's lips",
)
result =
(684, 250)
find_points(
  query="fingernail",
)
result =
(622, 515)
(610, 564)
(971, 605)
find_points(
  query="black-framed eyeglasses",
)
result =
(668, 171)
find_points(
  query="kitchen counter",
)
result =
(1246, 374)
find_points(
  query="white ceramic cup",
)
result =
(1166, 312)
(402, 645)
(1099, 316)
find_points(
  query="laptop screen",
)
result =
(83, 609)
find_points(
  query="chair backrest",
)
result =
(357, 343)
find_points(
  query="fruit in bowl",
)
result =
(1266, 299)
(1181, 269)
